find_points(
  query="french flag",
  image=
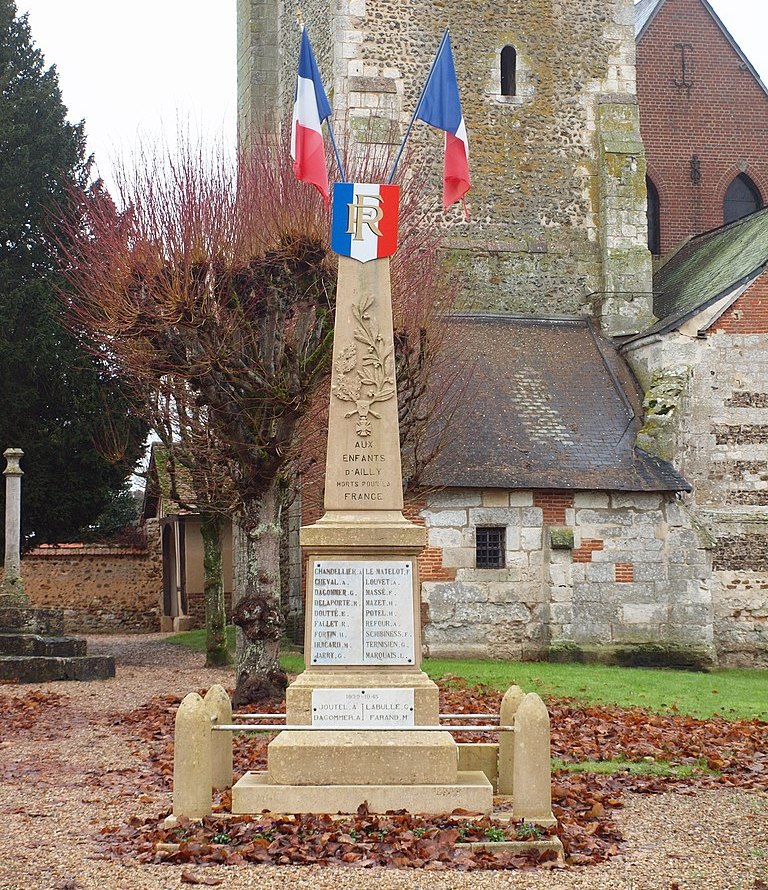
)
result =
(440, 107)
(310, 109)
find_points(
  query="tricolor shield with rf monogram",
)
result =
(365, 218)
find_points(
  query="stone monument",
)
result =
(363, 630)
(32, 648)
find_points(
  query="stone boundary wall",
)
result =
(101, 589)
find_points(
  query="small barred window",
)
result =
(489, 548)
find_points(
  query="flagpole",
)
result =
(418, 108)
(336, 150)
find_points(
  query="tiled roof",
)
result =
(644, 12)
(708, 267)
(548, 404)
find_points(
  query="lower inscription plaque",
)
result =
(362, 612)
(362, 707)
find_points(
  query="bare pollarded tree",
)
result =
(212, 291)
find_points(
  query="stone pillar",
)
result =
(192, 780)
(220, 711)
(509, 705)
(532, 778)
(12, 588)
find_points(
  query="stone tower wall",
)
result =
(558, 201)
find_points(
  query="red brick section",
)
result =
(723, 120)
(431, 559)
(587, 548)
(749, 314)
(554, 504)
(624, 572)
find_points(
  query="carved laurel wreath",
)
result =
(369, 379)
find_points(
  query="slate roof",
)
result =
(644, 12)
(708, 267)
(549, 404)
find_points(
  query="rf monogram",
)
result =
(362, 214)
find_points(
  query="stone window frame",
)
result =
(524, 81)
(486, 545)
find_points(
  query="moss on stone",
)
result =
(561, 537)
(649, 654)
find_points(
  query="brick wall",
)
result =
(749, 314)
(722, 117)
(101, 589)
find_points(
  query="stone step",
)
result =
(471, 792)
(22, 619)
(44, 669)
(35, 644)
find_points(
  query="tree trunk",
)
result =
(257, 611)
(212, 532)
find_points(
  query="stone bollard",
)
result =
(509, 705)
(220, 709)
(532, 777)
(192, 759)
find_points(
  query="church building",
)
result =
(567, 516)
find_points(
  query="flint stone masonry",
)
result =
(100, 589)
(637, 575)
(563, 159)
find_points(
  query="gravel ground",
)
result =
(51, 806)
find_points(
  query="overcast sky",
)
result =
(137, 70)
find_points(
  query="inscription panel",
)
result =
(362, 612)
(362, 707)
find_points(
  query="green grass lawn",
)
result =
(734, 694)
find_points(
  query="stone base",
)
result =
(33, 650)
(472, 793)
(426, 695)
(346, 757)
(483, 756)
(36, 644)
(24, 620)
(42, 669)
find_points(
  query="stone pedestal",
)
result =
(32, 646)
(363, 634)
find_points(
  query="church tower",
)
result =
(558, 204)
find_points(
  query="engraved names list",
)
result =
(362, 612)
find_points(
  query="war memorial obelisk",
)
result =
(363, 630)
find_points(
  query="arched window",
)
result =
(509, 71)
(741, 199)
(654, 218)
